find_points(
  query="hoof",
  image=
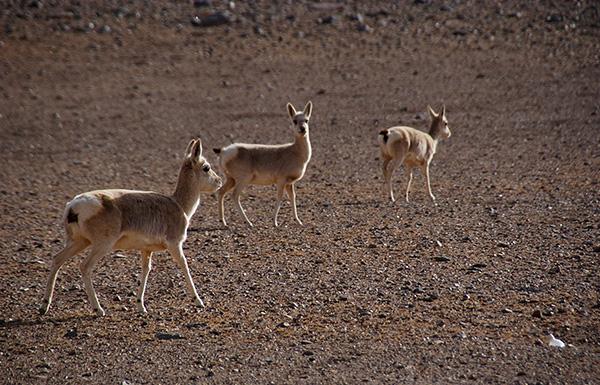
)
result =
(43, 310)
(199, 303)
(100, 312)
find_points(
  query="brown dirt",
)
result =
(366, 290)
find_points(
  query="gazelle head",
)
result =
(199, 170)
(439, 123)
(300, 119)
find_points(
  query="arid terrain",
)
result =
(105, 94)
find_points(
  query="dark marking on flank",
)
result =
(71, 217)
(217, 150)
(384, 133)
(107, 202)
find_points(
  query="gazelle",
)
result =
(261, 164)
(107, 220)
(413, 148)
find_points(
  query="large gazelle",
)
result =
(413, 148)
(106, 220)
(261, 164)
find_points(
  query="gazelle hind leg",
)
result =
(386, 176)
(392, 165)
(229, 184)
(98, 251)
(410, 177)
(426, 172)
(291, 192)
(177, 254)
(72, 248)
(236, 197)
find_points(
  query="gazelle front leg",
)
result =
(177, 254)
(291, 192)
(146, 266)
(278, 203)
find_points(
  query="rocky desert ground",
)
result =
(103, 94)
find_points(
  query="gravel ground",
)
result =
(108, 93)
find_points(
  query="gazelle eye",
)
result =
(206, 168)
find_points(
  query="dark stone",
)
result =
(71, 333)
(537, 313)
(441, 258)
(554, 18)
(212, 20)
(202, 3)
(169, 336)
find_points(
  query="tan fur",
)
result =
(147, 221)
(413, 148)
(259, 164)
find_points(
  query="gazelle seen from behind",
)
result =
(106, 220)
(413, 148)
(261, 164)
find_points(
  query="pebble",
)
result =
(168, 336)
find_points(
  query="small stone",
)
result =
(537, 313)
(202, 3)
(168, 336)
(71, 333)
(554, 18)
(365, 28)
(507, 310)
(212, 20)
(441, 258)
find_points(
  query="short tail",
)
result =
(385, 135)
(217, 150)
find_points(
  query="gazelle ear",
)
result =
(291, 110)
(443, 110)
(197, 149)
(188, 150)
(432, 112)
(308, 109)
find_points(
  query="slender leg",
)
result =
(393, 164)
(177, 254)
(98, 251)
(278, 203)
(410, 176)
(426, 171)
(386, 178)
(291, 192)
(146, 266)
(229, 184)
(72, 248)
(236, 196)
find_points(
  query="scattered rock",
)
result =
(365, 28)
(441, 258)
(169, 336)
(537, 313)
(71, 333)
(202, 3)
(554, 18)
(212, 20)
(555, 342)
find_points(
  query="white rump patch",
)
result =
(228, 153)
(85, 205)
